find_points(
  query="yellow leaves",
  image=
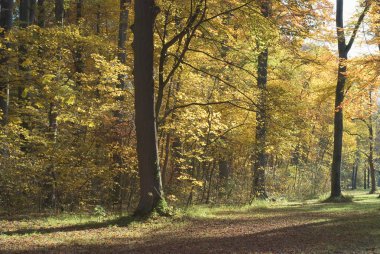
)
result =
(71, 100)
(91, 124)
(47, 79)
(194, 182)
(171, 198)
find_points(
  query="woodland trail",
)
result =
(293, 228)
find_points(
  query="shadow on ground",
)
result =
(295, 230)
(120, 222)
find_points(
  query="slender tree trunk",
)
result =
(79, 10)
(260, 156)
(25, 6)
(210, 182)
(368, 178)
(371, 145)
(166, 159)
(118, 114)
(41, 15)
(98, 19)
(32, 11)
(123, 36)
(343, 49)
(151, 192)
(59, 11)
(354, 175)
(224, 169)
(24, 20)
(338, 128)
(6, 22)
(336, 191)
(78, 55)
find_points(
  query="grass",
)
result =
(264, 227)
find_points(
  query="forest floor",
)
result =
(307, 227)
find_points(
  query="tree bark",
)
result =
(25, 6)
(32, 12)
(41, 13)
(151, 192)
(59, 11)
(260, 156)
(118, 114)
(123, 28)
(78, 54)
(79, 10)
(343, 49)
(371, 147)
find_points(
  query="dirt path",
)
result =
(318, 228)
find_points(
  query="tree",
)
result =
(260, 156)
(343, 50)
(6, 23)
(59, 11)
(118, 114)
(41, 16)
(151, 193)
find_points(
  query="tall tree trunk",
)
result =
(343, 49)
(6, 22)
(79, 10)
(41, 13)
(123, 35)
(78, 54)
(353, 177)
(260, 156)
(355, 172)
(25, 6)
(59, 11)
(119, 139)
(53, 113)
(371, 145)
(338, 128)
(32, 11)
(151, 192)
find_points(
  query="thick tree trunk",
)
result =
(6, 22)
(151, 193)
(260, 156)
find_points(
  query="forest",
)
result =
(203, 122)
